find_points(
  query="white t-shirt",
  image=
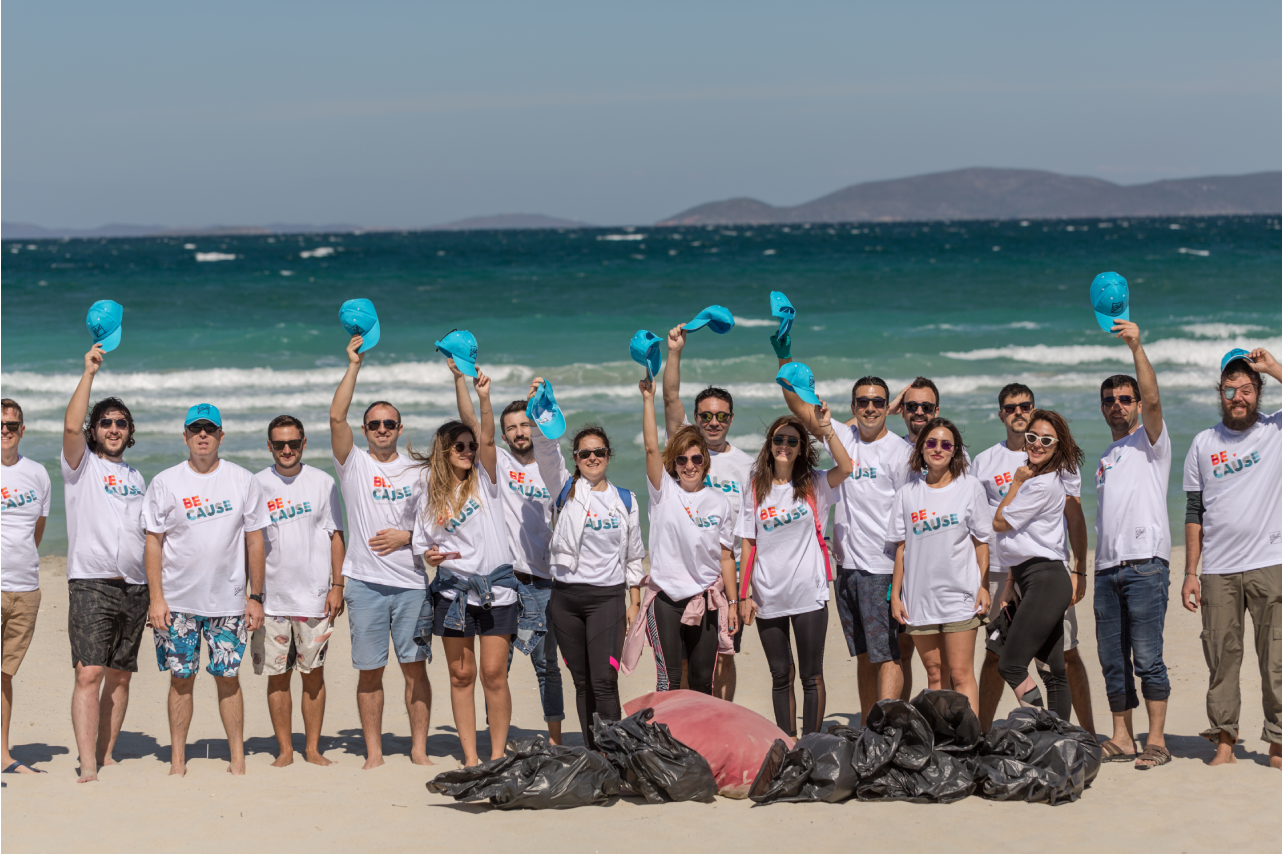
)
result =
(995, 469)
(1131, 521)
(1036, 516)
(788, 576)
(303, 511)
(687, 531)
(729, 473)
(380, 496)
(25, 493)
(941, 576)
(529, 514)
(204, 518)
(478, 533)
(1240, 478)
(105, 534)
(865, 499)
(600, 561)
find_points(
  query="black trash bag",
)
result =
(533, 774)
(895, 759)
(818, 768)
(1035, 756)
(652, 762)
(951, 719)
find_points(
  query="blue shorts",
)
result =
(865, 615)
(377, 611)
(178, 649)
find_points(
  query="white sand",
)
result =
(1182, 807)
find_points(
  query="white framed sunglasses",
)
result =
(1044, 441)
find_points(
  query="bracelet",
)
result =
(1082, 574)
(732, 601)
(333, 585)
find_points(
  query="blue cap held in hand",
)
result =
(204, 412)
(781, 308)
(360, 318)
(798, 379)
(544, 412)
(103, 322)
(715, 317)
(1234, 355)
(644, 349)
(1111, 299)
(461, 346)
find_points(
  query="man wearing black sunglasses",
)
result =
(918, 403)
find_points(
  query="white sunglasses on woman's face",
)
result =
(1044, 441)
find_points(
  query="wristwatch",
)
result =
(257, 597)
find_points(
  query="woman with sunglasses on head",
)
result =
(686, 600)
(787, 568)
(1029, 523)
(596, 555)
(941, 527)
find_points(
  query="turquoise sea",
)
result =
(973, 305)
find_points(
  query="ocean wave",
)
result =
(1222, 330)
(753, 322)
(615, 237)
(980, 327)
(214, 256)
(1173, 351)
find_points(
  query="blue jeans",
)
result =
(1130, 612)
(543, 657)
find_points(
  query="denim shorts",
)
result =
(377, 611)
(477, 621)
(865, 616)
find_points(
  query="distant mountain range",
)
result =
(1005, 194)
(510, 221)
(28, 231)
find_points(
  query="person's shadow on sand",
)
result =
(29, 754)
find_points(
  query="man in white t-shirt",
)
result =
(1233, 525)
(303, 589)
(1133, 554)
(995, 469)
(385, 584)
(729, 472)
(106, 580)
(204, 559)
(24, 507)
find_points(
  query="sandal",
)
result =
(1113, 753)
(1154, 755)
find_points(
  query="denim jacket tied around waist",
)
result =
(531, 625)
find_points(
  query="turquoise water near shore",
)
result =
(973, 305)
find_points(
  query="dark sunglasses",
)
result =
(106, 423)
(388, 424)
(792, 441)
(11, 426)
(912, 406)
(292, 444)
(1044, 441)
(696, 459)
(943, 444)
(1124, 399)
(599, 453)
(199, 427)
(460, 447)
(722, 417)
(1025, 407)
(877, 402)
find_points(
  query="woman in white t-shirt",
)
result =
(941, 526)
(461, 529)
(687, 608)
(787, 569)
(1029, 523)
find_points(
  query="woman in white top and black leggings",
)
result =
(596, 554)
(781, 522)
(1030, 536)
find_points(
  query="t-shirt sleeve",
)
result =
(70, 475)
(1072, 483)
(897, 530)
(1161, 450)
(46, 491)
(846, 435)
(255, 517)
(725, 530)
(900, 468)
(746, 527)
(1192, 471)
(981, 514)
(1028, 503)
(825, 495)
(656, 495)
(333, 516)
(157, 509)
(422, 540)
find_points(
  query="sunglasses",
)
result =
(11, 426)
(292, 444)
(943, 444)
(696, 459)
(721, 417)
(107, 423)
(203, 427)
(792, 441)
(599, 453)
(387, 423)
(460, 447)
(1124, 399)
(1025, 407)
(876, 402)
(1044, 441)
(912, 406)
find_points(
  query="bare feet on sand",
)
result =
(372, 762)
(236, 769)
(178, 770)
(316, 758)
(420, 759)
(1224, 751)
(88, 778)
(1275, 756)
(284, 759)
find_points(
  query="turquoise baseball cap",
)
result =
(204, 412)
(716, 317)
(360, 318)
(781, 308)
(103, 322)
(1234, 355)
(1111, 299)
(544, 412)
(644, 349)
(460, 345)
(798, 379)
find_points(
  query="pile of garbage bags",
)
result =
(932, 751)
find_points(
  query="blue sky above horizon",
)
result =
(410, 114)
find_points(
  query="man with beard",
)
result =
(1233, 524)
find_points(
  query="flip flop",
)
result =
(13, 769)
(1113, 753)
(1155, 755)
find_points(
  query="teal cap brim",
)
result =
(1106, 321)
(111, 341)
(369, 338)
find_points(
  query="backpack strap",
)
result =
(823, 544)
(625, 497)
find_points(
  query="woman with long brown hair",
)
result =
(1030, 534)
(787, 569)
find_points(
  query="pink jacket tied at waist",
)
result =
(714, 597)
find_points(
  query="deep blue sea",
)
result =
(972, 305)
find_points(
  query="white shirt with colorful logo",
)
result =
(687, 531)
(1240, 477)
(529, 514)
(1036, 518)
(25, 494)
(380, 496)
(204, 518)
(865, 499)
(105, 533)
(601, 549)
(995, 469)
(729, 474)
(478, 532)
(304, 511)
(1131, 521)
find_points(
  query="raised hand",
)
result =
(93, 359)
(1128, 332)
(1023, 473)
(676, 338)
(352, 346)
(449, 361)
(481, 383)
(534, 387)
(646, 386)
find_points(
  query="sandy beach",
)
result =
(1184, 806)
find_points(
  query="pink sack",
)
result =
(733, 739)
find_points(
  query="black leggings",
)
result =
(811, 630)
(673, 641)
(589, 622)
(1037, 631)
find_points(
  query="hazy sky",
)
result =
(410, 114)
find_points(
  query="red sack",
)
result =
(733, 739)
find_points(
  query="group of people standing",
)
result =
(530, 553)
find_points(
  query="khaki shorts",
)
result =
(17, 626)
(947, 628)
(290, 643)
(996, 583)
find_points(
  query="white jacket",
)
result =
(568, 524)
